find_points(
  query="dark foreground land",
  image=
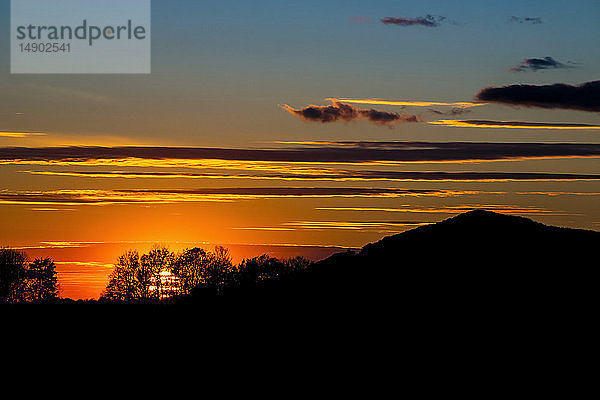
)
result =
(479, 299)
(477, 263)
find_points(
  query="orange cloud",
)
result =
(20, 134)
(151, 196)
(450, 209)
(511, 124)
(409, 103)
(337, 175)
(350, 225)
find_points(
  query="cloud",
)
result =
(408, 103)
(428, 20)
(535, 64)
(378, 226)
(20, 134)
(518, 210)
(334, 175)
(526, 20)
(453, 111)
(339, 111)
(151, 196)
(350, 152)
(476, 123)
(583, 97)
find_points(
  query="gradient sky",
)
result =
(222, 70)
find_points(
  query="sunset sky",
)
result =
(300, 128)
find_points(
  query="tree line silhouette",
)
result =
(161, 273)
(476, 255)
(157, 275)
(22, 281)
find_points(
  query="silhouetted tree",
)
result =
(23, 282)
(152, 264)
(41, 280)
(197, 268)
(138, 277)
(264, 268)
(190, 266)
(124, 283)
(220, 269)
(296, 264)
(13, 269)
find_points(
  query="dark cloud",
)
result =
(584, 97)
(335, 112)
(337, 174)
(330, 152)
(339, 111)
(530, 124)
(526, 20)
(429, 20)
(452, 112)
(483, 123)
(383, 117)
(535, 64)
(468, 176)
(290, 191)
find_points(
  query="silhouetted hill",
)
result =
(483, 238)
(477, 279)
(476, 261)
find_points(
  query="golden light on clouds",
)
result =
(332, 175)
(409, 103)
(449, 209)
(20, 134)
(349, 225)
(510, 125)
(112, 197)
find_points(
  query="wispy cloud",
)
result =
(339, 111)
(536, 64)
(149, 196)
(526, 20)
(430, 21)
(371, 226)
(548, 193)
(517, 210)
(452, 112)
(52, 209)
(20, 134)
(583, 97)
(377, 226)
(334, 175)
(476, 123)
(409, 103)
(276, 229)
(344, 152)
